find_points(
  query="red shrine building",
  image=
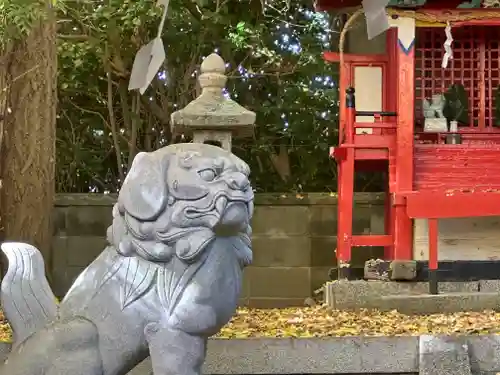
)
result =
(431, 123)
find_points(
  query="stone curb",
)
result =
(443, 355)
(413, 298)
(4, 350)
(313, 356)
(426, 354)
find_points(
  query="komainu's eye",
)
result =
(207, 174)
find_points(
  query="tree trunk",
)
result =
(27, 136)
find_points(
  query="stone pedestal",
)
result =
(435, 125)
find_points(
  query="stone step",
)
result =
(440, 303)
(413, 298)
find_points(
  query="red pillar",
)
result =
(346, 190)
(433, 255)
(403, 225)
(388, 224)
(391, 92)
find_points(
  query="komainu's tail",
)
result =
(27, 300)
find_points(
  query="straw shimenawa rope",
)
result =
(418, 16)
(349, 23)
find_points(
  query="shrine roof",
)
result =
(424, 4)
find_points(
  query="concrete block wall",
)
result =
(80, 224)
(294, 238)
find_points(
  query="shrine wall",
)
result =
(459, 239)
(475, 238)
(294, 239)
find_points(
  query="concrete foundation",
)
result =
(413, 298)
(427, 355)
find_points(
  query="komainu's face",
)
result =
(178, 199)
(209, 192)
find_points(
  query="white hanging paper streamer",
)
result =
(149, 58)
(163, 16)
(406, 31)
(448, 52)
(376, 17)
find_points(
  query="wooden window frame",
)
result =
(476, 66)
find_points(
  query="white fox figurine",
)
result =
(435, 108)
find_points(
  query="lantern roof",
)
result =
(212, 110)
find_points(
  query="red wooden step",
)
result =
(372, 240)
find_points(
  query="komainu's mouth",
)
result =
(227, 214)
(235, 213)
(234, 219)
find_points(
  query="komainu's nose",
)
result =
(238, 181)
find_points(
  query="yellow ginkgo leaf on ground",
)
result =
(322, 322)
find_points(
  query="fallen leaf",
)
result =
(321, 321)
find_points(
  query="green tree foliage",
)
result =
(275, 68)
(17, 18)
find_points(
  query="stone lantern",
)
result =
(212, 116)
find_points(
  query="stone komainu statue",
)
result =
(169, 279)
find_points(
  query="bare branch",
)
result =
(80, 37)
(114, 128)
